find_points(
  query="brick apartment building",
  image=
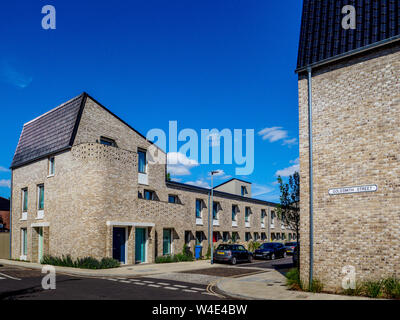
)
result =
(4, 214)
(83, 185)
(353, 79)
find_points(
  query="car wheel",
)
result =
(233, 261)
(273, 256)
(250, 258)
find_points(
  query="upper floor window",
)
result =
(142, 161)
(247, 214)
(41, 197)
(272, 217)
(234, 212)
(263, 215)
(24, 200)
(149, 195)
(198, 208)
(51, 166)
(215, 210)
(107, 141)
(172, 198)
(243, 190)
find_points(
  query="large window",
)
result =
(247, 214)
(107, 142)
(198, 208)
(142, 161)
(263, 215)
(225, 236)
(199, 237)
(234, 212)
(25, 200)
(272, 219)
(41, 197)
(215, 210)
(172, 198)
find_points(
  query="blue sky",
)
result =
(207, 64)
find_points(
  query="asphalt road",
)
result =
(28, 287)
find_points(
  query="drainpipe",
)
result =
(209, 226)
(310, 159)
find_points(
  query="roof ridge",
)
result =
(54, 109)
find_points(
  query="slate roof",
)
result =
(52, 132)
(322, 36)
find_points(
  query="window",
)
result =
(263, 215)
(225, 236)
(107, 142)
(272, 218)
(283, 236)
(188, 237)
(243, 190)
(256, 236)
(199, 237)
(172, 199)
(247, 214)
(149, 195)
(235, 236)
(247, 236)
(234, 212)
(263, 236)
(41, 197)
(51, 166)
(24, 243)
(215, 211)
(198, 208)
(25, 200)
(142, 161)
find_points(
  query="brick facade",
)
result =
(95, 189)
(356, 138)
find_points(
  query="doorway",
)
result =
(119, 244)
(167, 242)
(140, 245)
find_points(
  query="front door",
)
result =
(40, 255)
(119, 239)
(140, 245)
(166, 241)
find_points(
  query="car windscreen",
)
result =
(224, 247)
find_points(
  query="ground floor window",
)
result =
(188, 237)
(247, 236)
(24, 242)
(263, 236)
(235, 236)
(283, 236)
(225, 236)
(199, 237)
(256, 236)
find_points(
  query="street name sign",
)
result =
(357, 189)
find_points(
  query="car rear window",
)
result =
(224, 247)
(267, 246)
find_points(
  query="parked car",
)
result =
(290, 247)
(296, 256)
(270, 250)
(232, 253)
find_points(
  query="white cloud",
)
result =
(3, 169)
(10, 75)
(178, 164)
(176, 179)
(289, 170)
(273, 134)
(200, 183)
(5, 183)
(258, 189)
(220, 175)
(289, 142)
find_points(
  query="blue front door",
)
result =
(140, 245)
(119, 240)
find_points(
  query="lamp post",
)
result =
(211, 224)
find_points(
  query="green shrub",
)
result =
(208, 254)
(373, 289)
(357, 291)
(84, 263)
(293, 279)
(254, 245)
(391, 287)
(316, 286)
(175, 258)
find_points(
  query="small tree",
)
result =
(289, 208)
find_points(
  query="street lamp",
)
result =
(211, 216)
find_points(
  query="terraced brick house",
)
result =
(83, 184)
(349, 95)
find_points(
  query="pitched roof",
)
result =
(221, 184)
(322, 36)
(50, 133)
